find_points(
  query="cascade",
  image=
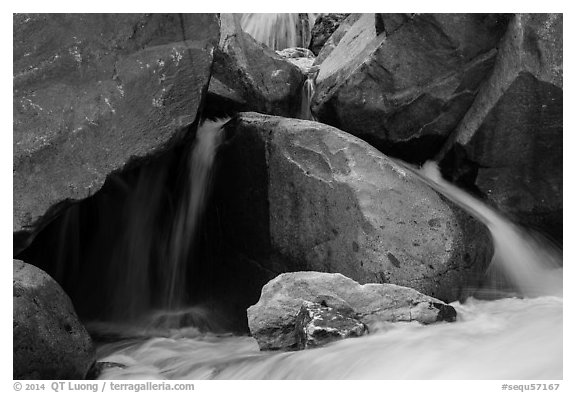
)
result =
(139, 236)
(493, 334)
(307, 93)
(530, 262)
(129, 251)
(279, 31)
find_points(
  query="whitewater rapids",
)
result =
(502, 339)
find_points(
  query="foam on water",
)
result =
(513, 338)
(502, 339)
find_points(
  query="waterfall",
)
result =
(190, 207)
(307, 92)
(279, 31)
(127, 254)
(531, 263)
(510, 338)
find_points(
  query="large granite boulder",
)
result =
(248, 76)
(48, 339)
(273, 320)
(509, 144)
(403, 81)
(94, 92)
(300, 195)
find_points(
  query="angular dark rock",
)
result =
(277, 320)
(402, 82)
(509, 145)
(49, 342)
(248, 76)
(299, 195)
(323, 28)
(318, 324)
(92, 93)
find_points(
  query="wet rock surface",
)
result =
(95, 92)
(318, 324)
(48, 339)
(301, 195)
(284, 316)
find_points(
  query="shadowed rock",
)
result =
(49, 342)
(509, 144)
(403, 81)
(94, 92)
(323, 29)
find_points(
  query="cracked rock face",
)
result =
(49, 340)
(92, 92)
(402, 82)
(335, 37)
(301, 195)
(511, 140)
(305, 309)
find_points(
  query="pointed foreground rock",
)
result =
(93, 93)
(299, 195)
(281, 318)
(49, 341)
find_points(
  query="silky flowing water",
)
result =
(501, 339)
(516, 337)
(279, 31)
(510, 338)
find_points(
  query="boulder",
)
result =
(509, 144)
(301, 57)
(300, 195)
(402, 82)
(323, 28)
(93, 93)
(273, 320)
(247, 75)
(49, 342)
(335, 37)
(318, 324)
